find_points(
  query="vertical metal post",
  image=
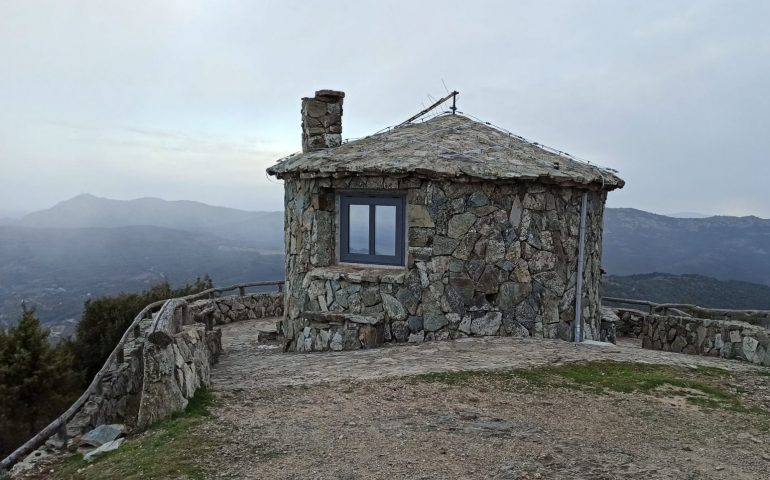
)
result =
(581, 261)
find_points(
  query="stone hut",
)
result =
(441, 229)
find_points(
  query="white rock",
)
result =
(107, 447)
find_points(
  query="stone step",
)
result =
(267, 326)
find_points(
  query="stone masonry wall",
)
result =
(717, 338)
(119, 391)
(233, 308)
(630, 323)
(174, 372)
(162, 379)
(483, 259)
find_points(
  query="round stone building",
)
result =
(436, 229)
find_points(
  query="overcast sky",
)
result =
(193, 100)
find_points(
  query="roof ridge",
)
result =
(449, 145)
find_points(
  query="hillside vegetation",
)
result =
(55, 270)
(692, 289)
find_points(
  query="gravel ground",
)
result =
(350, 415)
(400, 429)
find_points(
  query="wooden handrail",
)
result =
(629, 301)
(695, 309)
(62, 419)
(165, 324)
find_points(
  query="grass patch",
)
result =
(169, 449)
(702, 386)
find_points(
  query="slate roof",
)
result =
(447, 146)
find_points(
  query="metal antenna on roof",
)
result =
(453, 95)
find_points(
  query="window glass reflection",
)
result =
(358, 229)
(385, 230)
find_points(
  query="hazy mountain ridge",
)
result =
(726, 248)
(57, 258)
(259, 229)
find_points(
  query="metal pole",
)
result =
(581, 260)
(453, 95)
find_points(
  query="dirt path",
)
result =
(349, 416)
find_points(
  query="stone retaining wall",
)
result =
(119, 391)
(717, 338)
(149, 382)
(630, 322)
(131, 390)
(173, 373)
(228, 309)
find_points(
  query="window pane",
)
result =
(358, 229)
(385, 230)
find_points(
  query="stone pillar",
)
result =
(322, 120)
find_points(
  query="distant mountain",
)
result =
(688, 215)
(263, 230)
(692, 289)
(87, 246)
(8, 217)
(726, 248)
(57, 269)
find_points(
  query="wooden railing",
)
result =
(759, 317)
(159, 327)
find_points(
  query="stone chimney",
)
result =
(322, 120)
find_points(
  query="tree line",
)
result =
(39, 379)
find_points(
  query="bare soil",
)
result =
(413, 429)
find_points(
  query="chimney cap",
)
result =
(329, 95)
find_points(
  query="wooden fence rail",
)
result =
(693, 310)
(62, 419)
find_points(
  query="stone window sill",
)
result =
(360, 273)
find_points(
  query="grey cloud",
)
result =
(669, 93)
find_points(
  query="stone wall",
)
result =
(148, 382)
(630, 322)
(218, 311)
(118, 394)
(174, 372)
(717, 338)
(483, 259)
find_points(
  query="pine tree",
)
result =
(37, 380)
